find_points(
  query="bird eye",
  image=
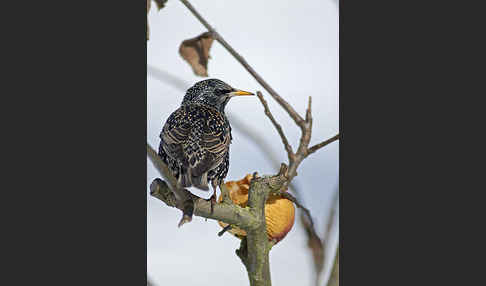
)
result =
(220, 91)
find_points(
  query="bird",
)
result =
(196, 138)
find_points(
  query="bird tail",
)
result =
(186, 180)
(201, 182)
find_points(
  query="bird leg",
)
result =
(212, 199)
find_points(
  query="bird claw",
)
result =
(212, 200)
(185, 219)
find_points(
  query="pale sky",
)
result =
(295, 49)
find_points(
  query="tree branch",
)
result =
(190, 203)
(303, 151)
(322, 144)
(163, 170)
(251, 219)
(258, 246)
(316, 246)
(293, 199)
(228, 213)
(332, 215)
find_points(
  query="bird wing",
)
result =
(198, 139)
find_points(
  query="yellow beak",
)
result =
(240, 93)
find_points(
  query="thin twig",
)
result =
(162, 168)
(334, 278)
(316, 246)
(225, 229)
(291, 198)
(332, 215)
(322, 144)
(280, 131)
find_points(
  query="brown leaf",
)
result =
(196, 52)
(160, 3)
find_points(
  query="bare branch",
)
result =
(251, 219)
(277, 126)
(181, 197)
(316, 246)
(291, 198)
(322, 144)
(332, 215)
(308, 114)
(258, 247)
(162, 168)
(228, 213)
(314, 242)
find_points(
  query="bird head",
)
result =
(212, 92)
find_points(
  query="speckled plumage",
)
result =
(196, 138)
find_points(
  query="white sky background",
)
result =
(293, 45)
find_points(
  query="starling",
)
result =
(196, 137)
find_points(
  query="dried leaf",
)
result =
(196, 52)
(160, 3)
